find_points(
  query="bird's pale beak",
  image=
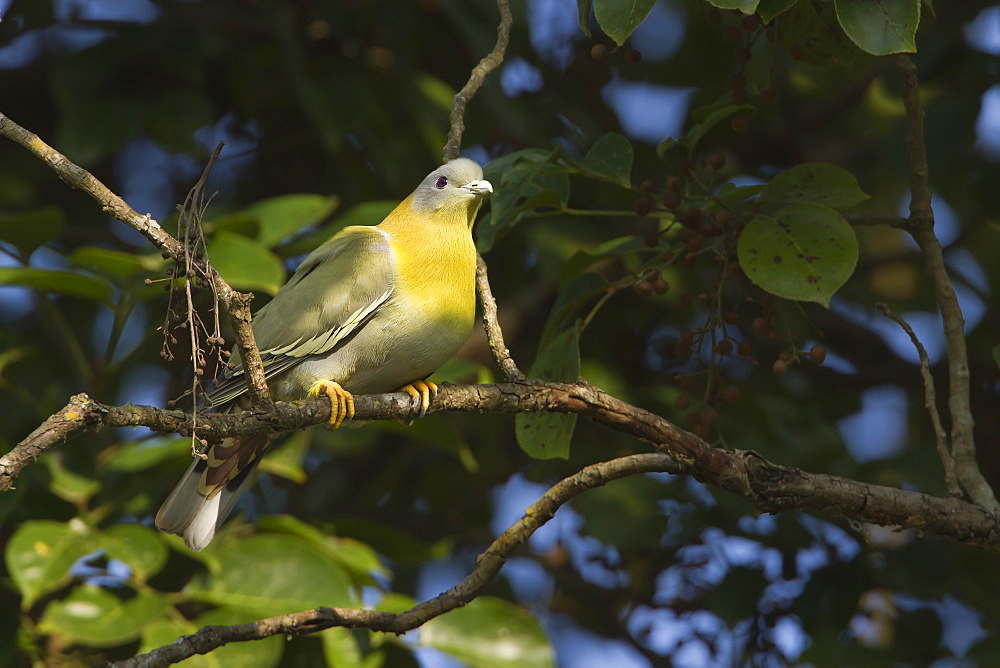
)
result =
(483, 187)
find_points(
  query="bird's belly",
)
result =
(384, 356)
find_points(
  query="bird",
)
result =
(374, 309)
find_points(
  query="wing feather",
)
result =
(331, 296)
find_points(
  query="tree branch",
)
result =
(930, 402)
(489, 63)
(237, 304)
(771, 487)
(493, 332)
(488, 565)
(921, 227)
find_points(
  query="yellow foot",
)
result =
(341, 401)
(420, 392)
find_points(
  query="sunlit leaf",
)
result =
(245, 263)
(138, 546)
(40, 553)
(804, 252)
(880, 27)
(100, 618)
(272, 574)
(490, 632)
(619, 18)
(281, 216)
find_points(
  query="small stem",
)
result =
(930, 402)
(493, 332)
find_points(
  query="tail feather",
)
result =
(195, 510)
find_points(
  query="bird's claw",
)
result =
(341, 401)
(420, 392)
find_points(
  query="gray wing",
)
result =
(332, 295)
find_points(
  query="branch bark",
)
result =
(921, 227)
(488, 565)
(236, 304)
(770, 487)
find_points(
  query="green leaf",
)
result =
(489, 632)
(619, 18)
(245, 263)
(28, 230)
(745, 6)
(66, 484)
(62, 282)
(280, 216)
(813, 29)
(814, 183)
(40, 554)
(583, 15)
(880, 27)
(271, 574)
(119, 263)
(610, 159)
(708, 117)
(353, 555)
(286, 458)
(731, 194)
(768, 10)
(138, 546)
(544, 434)
(144, 454)
(97, 617)
(366, 213)
(804, 252)
(515, 174)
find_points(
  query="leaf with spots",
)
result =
(814, 183)
(803, 252)
(546, 435)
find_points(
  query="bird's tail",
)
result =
(205, 496)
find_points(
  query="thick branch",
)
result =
(488, 565)
(489, 63)
(921, 226)
(771, 487)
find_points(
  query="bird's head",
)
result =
(456, 186)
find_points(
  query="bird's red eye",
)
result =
(442, 182)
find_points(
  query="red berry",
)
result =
(673, 183)
(743, 55)
(779, 367)
(724, 218)
(671, 200)
(642, 206)
(709, 415)
(660, 286)
(599, 52)
(694, 245)
(731, 394)
(771, 96)
(644, 288)
(632, 56)
(731, 317)
(760, 326)
(716, 160)
(740, 124)
(725, 347)
(817, 355)
(646, 186)
(744, 348)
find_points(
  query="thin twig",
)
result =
(489, 63)
(921, 227)
(236, 304)
(930, 402)
(493, 332)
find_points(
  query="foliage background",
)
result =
(344, 105)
